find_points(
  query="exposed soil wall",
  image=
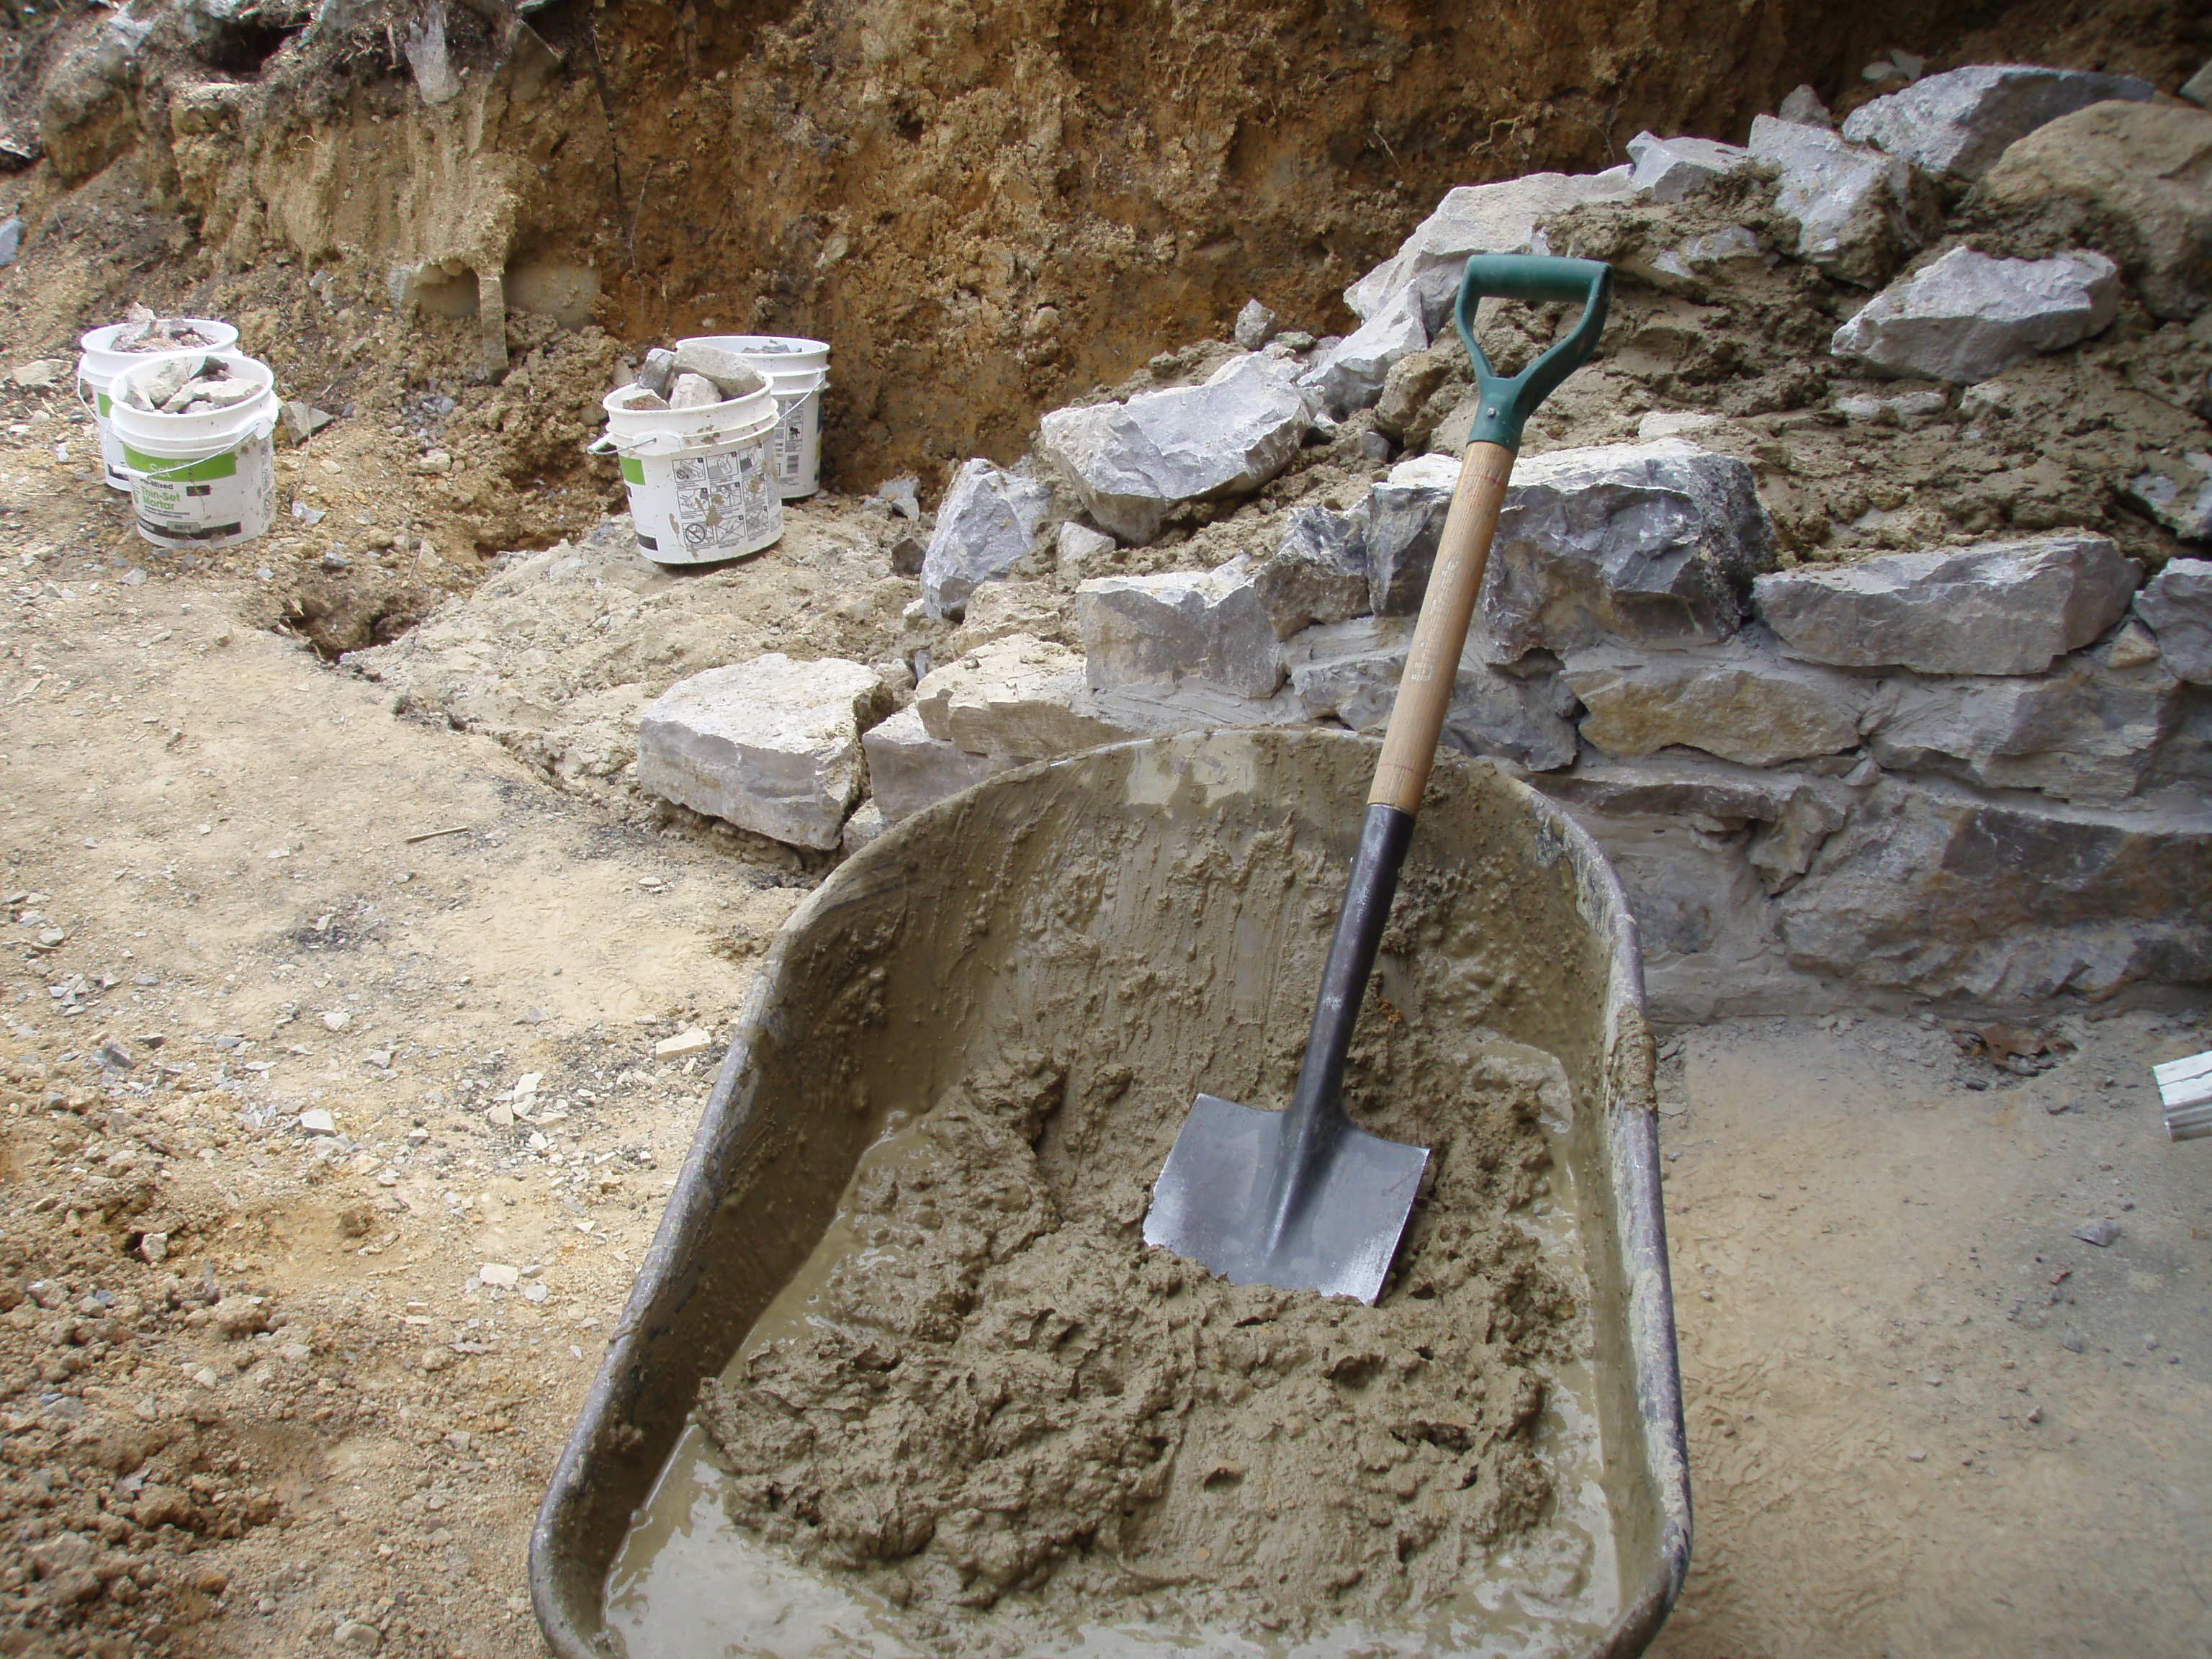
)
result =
(985, 205)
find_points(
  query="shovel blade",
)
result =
(1211, 1200)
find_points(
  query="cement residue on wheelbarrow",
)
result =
(902, 1377)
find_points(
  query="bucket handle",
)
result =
(252, 434)
(654, 445)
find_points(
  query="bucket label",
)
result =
(725, 500)
(223, 498)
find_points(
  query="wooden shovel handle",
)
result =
(1417, 720)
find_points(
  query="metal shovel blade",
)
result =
(1210, 1203)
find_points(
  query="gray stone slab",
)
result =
(1967, 317)
(1317, 573)
(1668, 170)
(1740, 700)
(1131, 463)
(1209, 625)
(1999, 608)
(770, 745)
(1851, 201)
(1350, 375)
(1960, 121)
(986, 525)
(2176, 604)
(909, 770)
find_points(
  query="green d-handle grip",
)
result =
(1508, 403)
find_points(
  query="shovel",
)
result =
(1300, 1198)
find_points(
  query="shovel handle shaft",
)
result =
(1417, 720)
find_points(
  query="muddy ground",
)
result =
(1923, 1416)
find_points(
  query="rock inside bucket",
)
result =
(694, 392)
(731, 373)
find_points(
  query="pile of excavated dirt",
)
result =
(985, 1382)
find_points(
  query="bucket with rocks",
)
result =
(108, 351)
(699, 463)
(797, 371)
(193, 431)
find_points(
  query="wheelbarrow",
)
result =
(896, 975)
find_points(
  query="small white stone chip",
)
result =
(502, 1274)
(692, 1040)
(317, 1121)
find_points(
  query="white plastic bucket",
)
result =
(701, 481)
(97, 369)
(798, 370)
(200, 481)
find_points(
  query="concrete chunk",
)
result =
(909, 770)
(1351, 671)
(1960, 122)
(1350, 375)
(2177, 605)
(986, 525)
(770, 745)
(1968, 316)
(1318, 573)
(1741, 701)
(1668, 170)
(1653, 545)
(2000, 608)
(731, 375)
(1131, 463)
(2083, 731)
(693, 391)
(1177, 625)
(1850, 201)
(1499, 218)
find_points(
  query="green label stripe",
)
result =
(100, 401)
(224, 465)
(633, 470)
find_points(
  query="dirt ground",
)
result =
(1924, 1417)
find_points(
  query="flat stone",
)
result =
(1350, 671)
(691, 1040)
(40, 372)
(1015, 699)
(2176, 604)
(909, 770)
(1350, 375)
(1968, 316)
(1668, 170)
(1131, 463)
(2132, 180)
(1209, 625)
(2082, 731)
(1676, 423)
(1653, 545)
(986, 525)
(2177, 493)
(315, 1120)
(1497, 218)
(694, 392)
(733, 377)
(1256, 325)
(1999, 608)
(1960, 121)
(504, 1274)
(770, 745)
(302, 420)
(1318, 573)
(1910, 409)
(1020, 699)
(1851, 201)
(2103, 1233)
(1741, 701)
(1935, 888)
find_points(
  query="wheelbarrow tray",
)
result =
(889, 945)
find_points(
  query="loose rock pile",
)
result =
(185, 386)
(1824, 609)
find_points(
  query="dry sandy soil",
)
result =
(1924, 1417)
